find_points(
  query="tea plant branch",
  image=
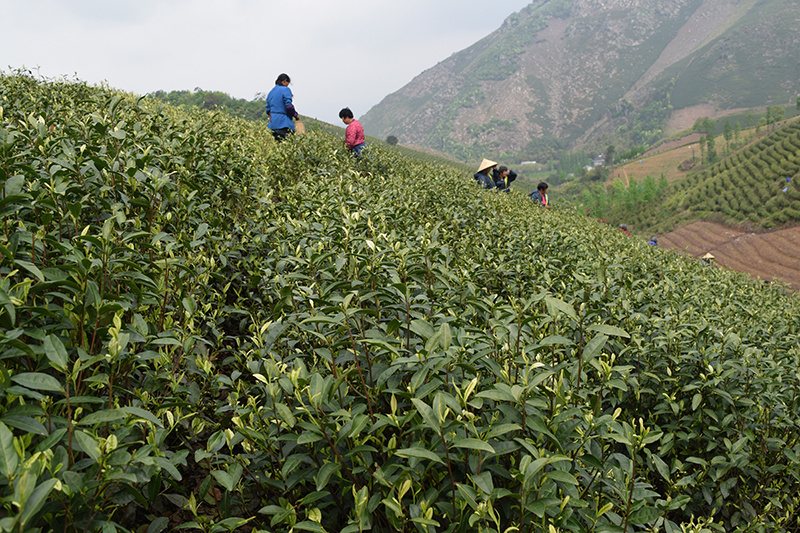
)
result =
(332, 366)
(450, 471)
(630, 495)
(333, 447)
(580, 359)
(354, 347)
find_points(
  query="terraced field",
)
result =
(773, 256)
(663, 160)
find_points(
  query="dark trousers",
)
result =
(357, 149)
(281, 133)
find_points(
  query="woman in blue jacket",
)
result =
(280, 109)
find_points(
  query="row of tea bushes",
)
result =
(204, 330)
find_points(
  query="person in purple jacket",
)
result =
(280, 109)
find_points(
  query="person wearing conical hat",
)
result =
(483, 175)
(707, 259)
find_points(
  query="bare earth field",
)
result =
(662, 160)
(773, 256)
(684, 119)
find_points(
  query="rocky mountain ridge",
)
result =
(561, 74)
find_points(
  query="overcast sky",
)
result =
(338, 53)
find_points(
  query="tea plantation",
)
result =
(203, 330)
(753, 184)
(756, 186)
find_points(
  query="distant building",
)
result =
(599, 161)
(528, 163)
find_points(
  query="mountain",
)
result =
(561, 74)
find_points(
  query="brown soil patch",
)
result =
(692, 138)
(684, 119)
(662, 160)
(773, 256)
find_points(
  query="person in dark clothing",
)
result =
(540, 195)
(502, 177)
(483, 176)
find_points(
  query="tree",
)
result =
(776, 112)
(610, 152)
(712, 153)
(710, 127)
(391, 140)
(649, 189)
(704, 125)
(702, 147)
(761, 123)
(618, 190)
(737, 130)
(798, 102)
(728, 134)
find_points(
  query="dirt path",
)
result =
(773, 256)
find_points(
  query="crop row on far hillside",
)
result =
(754, 186)
(202, 329)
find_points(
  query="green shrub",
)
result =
(780, 217)
(792, 213)
(204, 329)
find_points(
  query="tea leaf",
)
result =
(56, 353)
(37, 381)
(472, 444)
(8, 455)
(420, 453)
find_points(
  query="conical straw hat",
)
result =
(486, 163)
(708, 256)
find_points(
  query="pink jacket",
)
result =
(354, 134)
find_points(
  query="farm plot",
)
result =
(665, 162)
(773, 256)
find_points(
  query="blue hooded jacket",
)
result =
(280, 108)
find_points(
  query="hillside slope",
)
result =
(203, 328)
(755, 186)
(751, 189)
(561, 73)
(773, 256)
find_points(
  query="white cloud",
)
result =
(337, 54)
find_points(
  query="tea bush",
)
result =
(202, 329)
